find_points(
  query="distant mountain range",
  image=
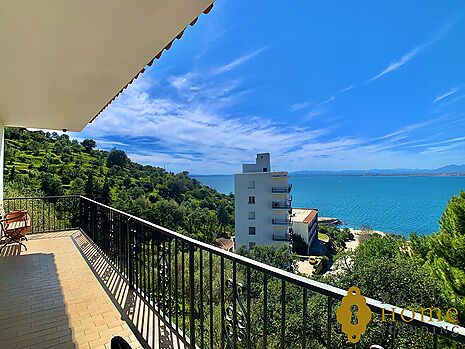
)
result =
(449, 170)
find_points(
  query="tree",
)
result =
(223, 217)
(77, 187)
(348, 233)
(12, 173)
(90, 186)
(51, 185)
(452, 222)
(446, 256)
(117, 157)
(89, 145)
(279, 257)
(337, 238)
(299, 245)
(106, 194)
(167, 213)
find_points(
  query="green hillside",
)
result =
(39, 163)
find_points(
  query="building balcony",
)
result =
(282, 190)
(277, 221)
(92, 272)
(278, 205)
(282, 237)
(280, 175)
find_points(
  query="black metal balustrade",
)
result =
(217, 299)
(281, 237)
(278, 221)
(282, 190)
(49, 214)
(281, 205)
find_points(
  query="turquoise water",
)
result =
(392, 204)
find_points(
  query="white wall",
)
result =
(264, 181)
(301, 228)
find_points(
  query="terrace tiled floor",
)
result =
(51, 298)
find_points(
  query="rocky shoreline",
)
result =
(335, 222)
(329, 221)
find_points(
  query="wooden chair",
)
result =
(15, 226)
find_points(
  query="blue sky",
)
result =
(321, 85)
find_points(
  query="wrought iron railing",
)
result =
(280, 221)
(281, 205)
(48, 214)
(217, 299)
(282, 190)
(281, 237)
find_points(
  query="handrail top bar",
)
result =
(453, 331)
(44, 197)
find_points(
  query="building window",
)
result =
(251, 185)
(251, 215)
(251, 230)
(265, 169)
(251, 199)
(252, 244)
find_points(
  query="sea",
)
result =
(392, 204)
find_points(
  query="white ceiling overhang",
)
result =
(63, 62)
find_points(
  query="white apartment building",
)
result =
(262, 204)
(305, 223)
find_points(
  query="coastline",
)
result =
(336, 222)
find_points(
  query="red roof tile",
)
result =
(311, 216)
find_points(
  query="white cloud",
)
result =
(453, 100)
(299, 106)
(444, 148)
(346, 89)
(395, 65)
(326, 101)
(314, 113)
(182, 81)
(445, 95)
(192, 132)
(409, 128)
(304, 105)
(237, 62)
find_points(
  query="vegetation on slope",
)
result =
(443, 253)
(38, 163)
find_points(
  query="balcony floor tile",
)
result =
(49, 297)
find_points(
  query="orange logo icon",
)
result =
(353, 329)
